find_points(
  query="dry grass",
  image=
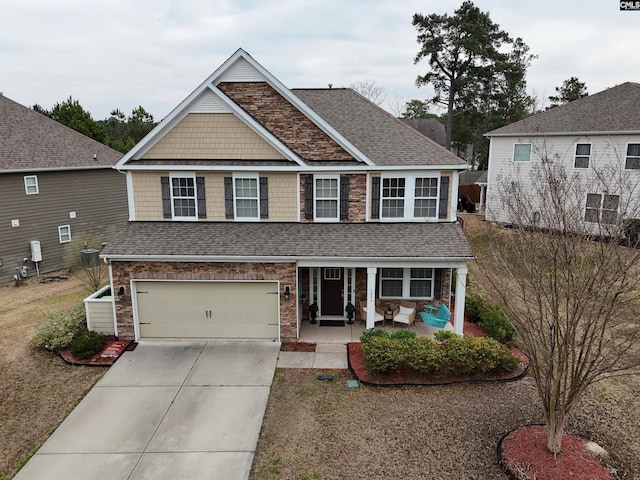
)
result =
(37, 389)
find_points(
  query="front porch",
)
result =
(314, 333)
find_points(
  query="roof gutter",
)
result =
(293, 168)
(562, 134)
(55, 169)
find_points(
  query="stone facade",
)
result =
(124, 272)
(284, 121)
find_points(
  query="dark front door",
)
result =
(331, 291)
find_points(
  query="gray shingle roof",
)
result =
(385, 139)
(471, 178)
(291, 240)
(30, 141)
(614, 110)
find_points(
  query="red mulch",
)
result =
(524, 455)
(473, 329)
(412, 377)
(112, 350)
(298, 347)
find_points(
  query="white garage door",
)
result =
(171, 309)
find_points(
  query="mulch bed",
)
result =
(412, 377)
(297, 347)
(112, 350)
(523, 455)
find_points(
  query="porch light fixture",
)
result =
(121, 294)
(287, 293)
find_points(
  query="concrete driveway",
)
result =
(167, 410)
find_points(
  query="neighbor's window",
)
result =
(583, 154)
(246, 198)
(633, 157)
(183, 197)
(64, 233)
(522, 152)
(393, 197)
(31, 185)
(406, 282)
(601, 208)
(327, 198)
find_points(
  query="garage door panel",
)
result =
(208, 309)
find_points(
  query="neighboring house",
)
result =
(473, 184)
(595, 134)
(429, 127)
(249, 201)
(58, 189)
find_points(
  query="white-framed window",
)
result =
(583, 155)
(632, 161)
(31, 185)
(246, 194)
(64, 233)
(332, 273)
(522, 152)
(409, 197)
(184, 204)
(406, 282)
(601, 208)
(327, 198)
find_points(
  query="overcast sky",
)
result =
(125, 53)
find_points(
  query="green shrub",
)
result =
(442, 336)
(59, 328)
(473, 302)
(372, 333)
(458, 355)
(493, 321)
(382, 354)
(469, 354)
(424, 355)
(87, 343)
(402, 335)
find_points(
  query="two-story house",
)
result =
(58, 193)
(596, 140)
(250, 201)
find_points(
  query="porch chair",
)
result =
(405, 313)
(436, 317)
(379, 314)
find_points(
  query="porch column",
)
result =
(461, 288)
(371, 297)
(482, 194)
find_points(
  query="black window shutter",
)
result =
(437, 287)
(344, 198)
(228, 197)
(444, 197)
(166, 197)
(308, 197)
(375, 197)
(264, 197)
(202, 204)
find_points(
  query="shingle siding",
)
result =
(98, 198)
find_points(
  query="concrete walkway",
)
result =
(166, 410)
(327, 356)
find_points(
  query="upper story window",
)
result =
(583, 155)
(632, 161)
(601, 208)
(31, 185)
(406, 283)
(410, 197)
(246, 197)
(183, 197)
(64, 233)
(522, 152)
(327, 198)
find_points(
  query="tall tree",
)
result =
(71, 114)
(466, 51)
(415, 108)
(569, 287)
(570, 90)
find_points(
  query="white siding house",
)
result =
(595, 134)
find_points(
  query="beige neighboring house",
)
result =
(58, 188)
(250, 201)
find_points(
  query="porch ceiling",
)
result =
(292, 241)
